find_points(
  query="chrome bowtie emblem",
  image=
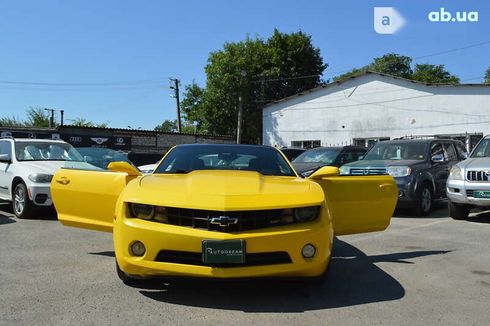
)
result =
(224, 220)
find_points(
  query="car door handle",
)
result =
(63, 180)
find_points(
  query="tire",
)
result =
(424, 201)
(22, 206)
(458, 212)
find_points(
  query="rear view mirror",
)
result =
(325, 171)
(5, 158)
(124, 167)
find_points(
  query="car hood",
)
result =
(48, 167)
(476, 163)
(382, 163)
(224, 190)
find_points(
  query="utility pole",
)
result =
(51, 119)
(239, 127)
(175, 87)
(62, 115)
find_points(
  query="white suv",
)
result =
(26, 169)
(468, 185)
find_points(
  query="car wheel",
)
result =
(458, 212)
(21, 204)
(424, 202)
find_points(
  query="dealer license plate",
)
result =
(481, 194)
(223, 251)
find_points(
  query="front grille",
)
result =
(245, 220)
(195, 258)
(477, 175)
(368, 171)
(469, 193)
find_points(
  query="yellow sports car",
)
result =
(222, 211)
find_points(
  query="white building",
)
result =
(370, 107)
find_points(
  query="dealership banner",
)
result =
(122, 143)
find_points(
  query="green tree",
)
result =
(257, 70)
(487, 76)
(37, 117)
(82, 122)
(433, 74)
(167, 126)
(11, 122)
(391, 64)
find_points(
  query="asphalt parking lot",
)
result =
(431, 270)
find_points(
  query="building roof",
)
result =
(364, 73)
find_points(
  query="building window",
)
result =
(368, 142)
(305, 143)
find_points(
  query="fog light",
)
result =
(137, 249)
(308, 251)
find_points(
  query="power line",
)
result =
(452, 50)
(113, 83)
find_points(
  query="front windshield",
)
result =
(265, 160)
(397, 151)
(46, 151)
(482, 150)
(326, 156)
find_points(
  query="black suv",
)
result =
(420, 168)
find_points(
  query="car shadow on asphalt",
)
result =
(439, 211)
(4, 219)
(480, 217)
(353, 279)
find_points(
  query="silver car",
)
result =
(468, 185)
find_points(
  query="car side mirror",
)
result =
(438, 158)
(124, 167)
(465, 155)
(360, 157)
(325, 171)
(5, 158)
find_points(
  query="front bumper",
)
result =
(406, 192)
(461, 192)
(40, 195)
(157, 236)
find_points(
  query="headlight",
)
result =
(145, 212)
(344, 170)
(148, 212)
(40, 177)
(456, 173)
(399, 171)
(306, 214)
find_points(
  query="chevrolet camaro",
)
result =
(222, 211)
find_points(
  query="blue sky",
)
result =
(120, 53)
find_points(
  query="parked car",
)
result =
(420, 168)
(309, 161)
(291, 153)
(222, 211)
(468, 185)
(101, 157)
(26, 169)
(148, 168)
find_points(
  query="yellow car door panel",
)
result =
(87, 199)
(359, 204)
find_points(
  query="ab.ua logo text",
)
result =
(443, 16)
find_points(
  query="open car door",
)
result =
(357, 204)
(86, 198)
